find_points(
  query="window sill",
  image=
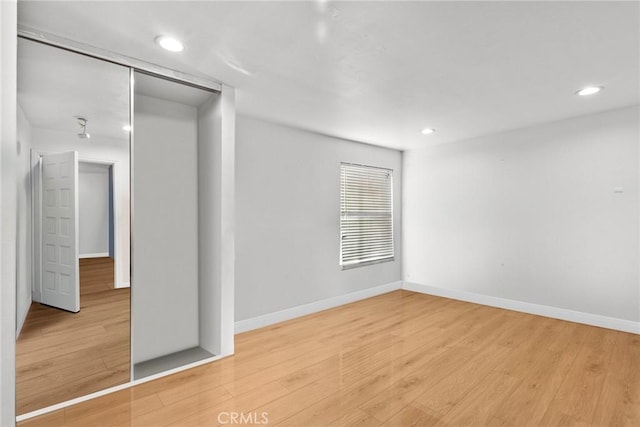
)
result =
(366, 263)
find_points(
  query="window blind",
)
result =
(366, 214)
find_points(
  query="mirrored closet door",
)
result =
(106, 297)
(73, 299)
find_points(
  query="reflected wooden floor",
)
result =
(398, 359)
(62, 355)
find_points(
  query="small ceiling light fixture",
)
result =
(82, 122)
(169, 43)
(589, 90)
(126, 128)
(427, 131)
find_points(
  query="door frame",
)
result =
(36, 220)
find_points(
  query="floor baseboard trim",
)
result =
(96, 255)
(313, 307)
(527, 307)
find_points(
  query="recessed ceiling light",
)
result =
(126, 128)
(589, 90)
(169, 43)
(427, 131)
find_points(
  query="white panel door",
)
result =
(60, 266)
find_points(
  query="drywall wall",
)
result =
(216, 203)
(288, 217)
(165, 228)
(93, 195)
(23, 219)
(100, 149)
(531, 215)
(8, 155)
(209, 238)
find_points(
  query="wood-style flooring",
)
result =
(62, 355)
(399, 359)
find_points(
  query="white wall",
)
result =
(216, 218)
(23, 220)
(209, 236)
(106, 150)
(8, 155)
(93, 195)
(531, 215)
(165, 229)
(287, 217)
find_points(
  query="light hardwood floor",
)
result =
(398, 359)
(62, 355)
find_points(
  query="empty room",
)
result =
(319, 213)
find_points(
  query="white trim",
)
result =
(98, 255)
(36, 220)
(313, 307)
(118, 285)
(227, 224)
(110, 390)
(8, 17)
(527, 307)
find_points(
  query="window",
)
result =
(366, 215)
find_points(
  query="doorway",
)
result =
(96, 203)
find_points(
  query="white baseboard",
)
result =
(96, 255)
(122, 285)
(527, 307)
(313, 307)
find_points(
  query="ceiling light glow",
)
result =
(427, 131)
(170, 44)
(589, 90)
(126, 128)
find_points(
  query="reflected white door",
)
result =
(60, 266)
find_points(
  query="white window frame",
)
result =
(365, 261)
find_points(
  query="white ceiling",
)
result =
(379, 72)
(55, 86)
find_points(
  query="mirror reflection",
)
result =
(73, 299)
